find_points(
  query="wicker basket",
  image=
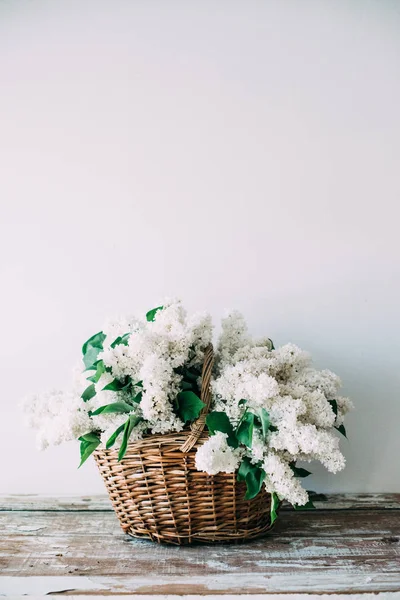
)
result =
(158, 493)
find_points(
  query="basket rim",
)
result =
(158, 440)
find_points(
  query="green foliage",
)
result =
(244, 431)
(333, 404)
(90, 437)
(189, 406)
(117, 386)
(89, 443)
(186, 385)
(308, 506)
(271, 344)
(254, 477)
(121, 339)
(342, 430)
(91, 348)
(190, 374)
(112, 439)
(244, 468)
(128, 427)
(315, 497)
(115, 407)
(150, 316)
(219, 421)
(263, 416)
(254, 481)
(298, 471)
(274, 507)
(89, 393)
(189, 392)
(100, 369)
(137, 398)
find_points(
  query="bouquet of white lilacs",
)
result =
(142, 376)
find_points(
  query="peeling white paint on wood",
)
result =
(283, 596)
(350, 583)
(354, 547)
(42, 586)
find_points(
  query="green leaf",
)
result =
(186, 385)
(115, 407)
(189, 406)
(189, 374)
(314, 496)
(89, 443)
(263, 415)
(137, 398)
(112, 439)
(150, 316)
(96, 341)
(298, 471)
(100, 369)
(308, 506)
(219, 421)
(254, 476)
(90, 357)
(89, 393)
(342, 430)
(245, 467)
(128, 427)
(254, 481)
(242, 401)
(116, 386)
(271, 344)
(91, 348)
(89, 437)
(333, 404)
(121, 339)
(274, 507)
(244, 431)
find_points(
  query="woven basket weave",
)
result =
(158, 493)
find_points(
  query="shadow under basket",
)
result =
(158, 493)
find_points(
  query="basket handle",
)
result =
(205, 395)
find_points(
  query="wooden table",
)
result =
(74, 546)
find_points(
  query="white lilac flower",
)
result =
(300, 402)
(344, 405)
(234, 335)
(215, 456)
(119, 326)
(57, 416)
(280, 479)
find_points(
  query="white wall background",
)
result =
(236, 154)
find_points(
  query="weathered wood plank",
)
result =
(77, 545)
(328, 524)
(102, 503)
(62, 503)
(187, 586)
(119, 555)
(81, 593)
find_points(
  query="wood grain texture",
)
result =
(77, 546)
(102, 502)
